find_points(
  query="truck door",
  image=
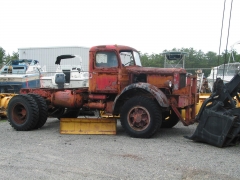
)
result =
(104, 77)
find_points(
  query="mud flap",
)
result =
(218, 128)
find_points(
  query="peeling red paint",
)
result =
(151, 70)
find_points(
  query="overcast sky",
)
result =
(150, 26)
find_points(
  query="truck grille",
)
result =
(182, 81)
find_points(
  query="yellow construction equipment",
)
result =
(5, 98)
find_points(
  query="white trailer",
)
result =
(47, 56)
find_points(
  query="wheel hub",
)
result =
(138, 118)
(19, 114)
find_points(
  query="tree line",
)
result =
(5, 58)
(194, 60)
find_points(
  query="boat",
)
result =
(66, 76)
(21, 73)
(225, 71)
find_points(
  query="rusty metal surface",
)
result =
(95, 105)
(97, 96)
(183, 101)
(189, 112)
(67, 98)
(176, 81)
(173, 104)
(103, 81)
(187, 99)
(46, 92)
(159, 80)
(111, 47)
(158, 94)
(123, 78)
(109, 106)
(106, 82)
(151, 70)
(139, 118)
(52, 94)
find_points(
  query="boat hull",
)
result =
(12, 83)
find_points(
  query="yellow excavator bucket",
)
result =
(204, 96)
(88, 126)
(219, 115)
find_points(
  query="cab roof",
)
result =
(112, 47)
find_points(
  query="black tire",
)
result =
(22, 112)
(141, 117)
(170, 119)
(42, 106)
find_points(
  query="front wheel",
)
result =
(141, 117)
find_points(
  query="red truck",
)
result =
(146, 98)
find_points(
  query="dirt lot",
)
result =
(46, 154)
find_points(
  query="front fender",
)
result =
(148, 88)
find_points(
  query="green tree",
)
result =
(2, 56)
(14, 56)
(235, 56)
(153, 60)
(194, 60)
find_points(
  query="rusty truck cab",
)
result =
(107, 68)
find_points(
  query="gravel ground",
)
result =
(46, 154)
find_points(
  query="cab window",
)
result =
(106, 59)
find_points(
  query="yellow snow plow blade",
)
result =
(88, 126)
(5, 98)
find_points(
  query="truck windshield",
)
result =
(130, 58)
(137, 58)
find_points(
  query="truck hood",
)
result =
(154, 70)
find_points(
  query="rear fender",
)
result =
(144, 88)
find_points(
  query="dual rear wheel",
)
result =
(27, 112)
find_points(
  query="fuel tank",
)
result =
(67, 98)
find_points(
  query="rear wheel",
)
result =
(42, 106)
(170, 119)
(22, 112)
(141, 117)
